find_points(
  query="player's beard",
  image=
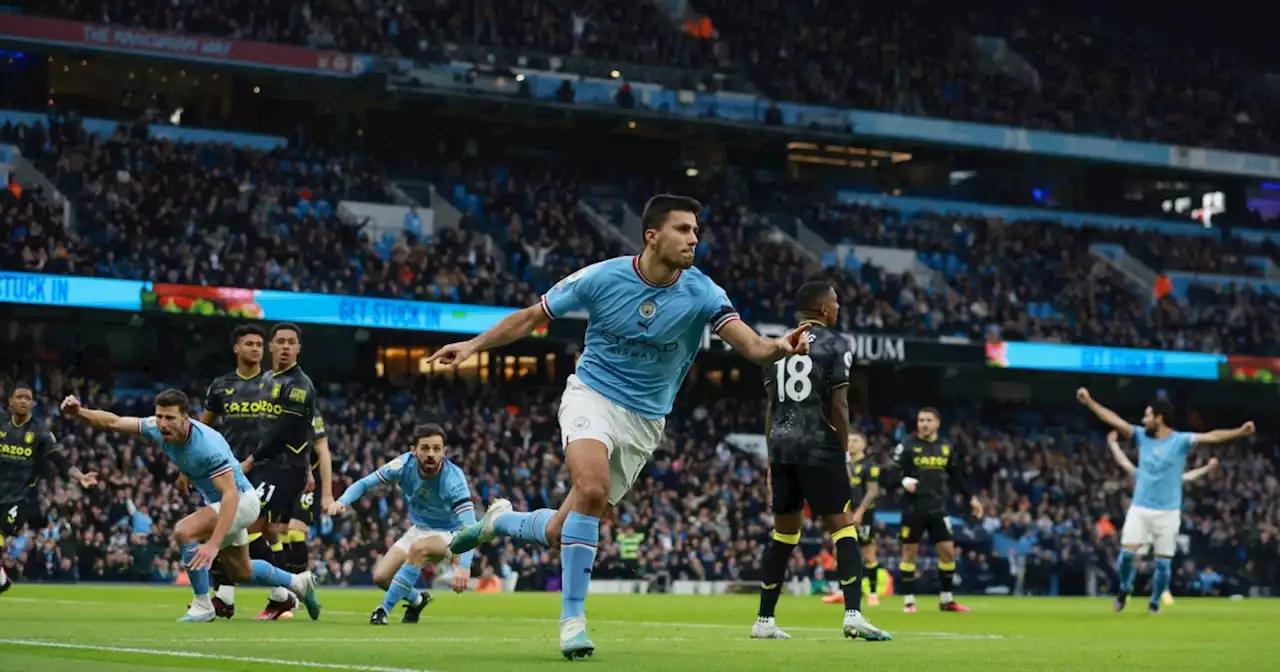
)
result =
(680, 262)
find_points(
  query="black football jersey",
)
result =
(861, 474)
(240, 409)
(289, 433)
(25, 449)
(932, 464)
(800, 388)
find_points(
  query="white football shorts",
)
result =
(246, 514)
(413, 534)
(631, 439)
(1150, 526)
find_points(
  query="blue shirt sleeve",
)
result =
(464, 509)
(390, 472)
(719, 307)
(570, 294)
(1186, 441)
(150, 429)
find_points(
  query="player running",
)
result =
(646, 316)
(807, 425)
(26, 449)
(1122, 460)
(864, 477)
(439, 502)
(233, 406)
(203, 456)
(925, 460)
(1155, 513)
(281, 465)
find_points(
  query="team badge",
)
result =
(579, 423)
(275, 391)
(648, 309)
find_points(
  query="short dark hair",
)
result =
(22, 386)
(427, 431)
(247, 330)
(174, 398)
(1164, 409)
(932, 411)
(286, 326)
(811, 295)
(658, 207)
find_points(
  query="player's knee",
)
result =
(238, 572)
(593, 494)
(185, 533)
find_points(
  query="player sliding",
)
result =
(807, 425)
(646, 316)
(1155, 513)
(439, 501)
(220, 528)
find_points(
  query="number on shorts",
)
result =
(864, 532)
(793, 377)
(265, 491)
(307, 498)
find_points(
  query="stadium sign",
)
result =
(124, 40)
(871, 348)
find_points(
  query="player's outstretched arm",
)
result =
(355, 492)
(1118, 455)
(511, 329)
(1218, 436)
(1201, 472)
(761, 350)
(1104, 414)
(97, 419)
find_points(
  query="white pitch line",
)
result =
(205, 656)
(643, 624)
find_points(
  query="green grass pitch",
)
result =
(132, 629)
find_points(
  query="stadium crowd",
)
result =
(212, 214)
(1090, 69)
(1053, 500)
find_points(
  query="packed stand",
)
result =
(628, 32)
(210, 214)
(1053, 496)
(1038, 281)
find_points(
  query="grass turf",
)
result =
(110, 629)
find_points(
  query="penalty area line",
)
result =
(205, 656)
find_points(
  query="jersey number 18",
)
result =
(792, 377)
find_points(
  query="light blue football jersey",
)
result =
(203, 457)
(641, 338)
(434, 503)
(1161, 462)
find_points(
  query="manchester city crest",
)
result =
(648, 309)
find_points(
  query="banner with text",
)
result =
(1104, 360)
(882, 348)
(259, 304)
(120, 39)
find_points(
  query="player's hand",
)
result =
(89, 480)
(1248, 428)
(203, 559)
(326, 502)
(71, 406)
(453, 354)
(460, 580)
(793, 342)
(857, 517)
(247, 465)
(335, 508)
(976, 505)
(310, 485)
(1113, 437)
(909, 484)
(1213, 463)
(1082, 395)
(183, 484)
